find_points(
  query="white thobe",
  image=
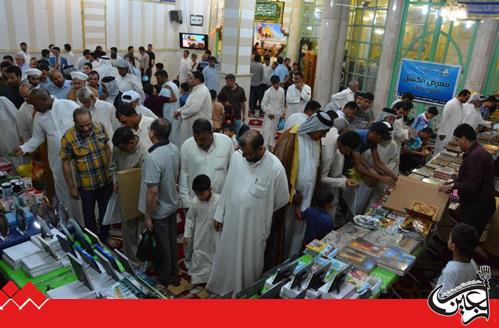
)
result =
(169, 109)
(130, 82)
(25, 121)
(473, 116)
(143, 131)
(198, 105)
(194, 161)
(308, 165)
(400, 132)
(340, 99)
(105, 113)
(272, 103)
(70, 58)
(452, 116)
(82, 61)
(52, 125)
(199, 229)
(332, 161)
(9, 136)
(143, 110)
(295, 119)
(296, 99)
(184, 69)
(251, 195)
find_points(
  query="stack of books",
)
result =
(396, 261)
(315, 247)
(14, 255)
(444, 173)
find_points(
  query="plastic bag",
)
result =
(147, 247)
(113, 214)
(281, 124)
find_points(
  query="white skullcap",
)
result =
(33, 72)
(130, 96)
(77, 75)
(121, 63)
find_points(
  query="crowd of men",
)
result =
(250, 201)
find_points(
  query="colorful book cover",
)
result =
(365, 246)
(395, 259)
(358, 259)
(337, 240)
(359, 279)
(316, 246)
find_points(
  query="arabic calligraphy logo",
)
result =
(471, 299)
(11, 294)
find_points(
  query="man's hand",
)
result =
(271, 116)
(217, 225)
(74, 193)
(351, 183)
(17, 151)
(176, 115)
(115, 187)
(148, 222)
(387, 180)
(186, 242)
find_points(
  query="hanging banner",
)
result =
(429, 82)
(482, 9)
(269, 11)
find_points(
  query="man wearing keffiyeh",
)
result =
(303, 176)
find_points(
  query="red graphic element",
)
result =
(11, 294)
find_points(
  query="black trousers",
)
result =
(88, 199)
(165, 234)
(255, 97)
(477, 213)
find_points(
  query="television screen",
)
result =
(193, 41)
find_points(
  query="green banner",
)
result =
(269, 11)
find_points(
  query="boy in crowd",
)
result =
(184, 93)
(319, 222)
(462, 242)
(128, 153)
(423, 120)
(231, 133)
(218, 112)
(414, 153)
(200, 232)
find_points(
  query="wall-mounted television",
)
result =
(193, 41)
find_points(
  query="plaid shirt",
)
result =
(89, 156)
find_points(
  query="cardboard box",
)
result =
(409, 190)
(128, 192)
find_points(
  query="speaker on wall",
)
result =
(176, 16)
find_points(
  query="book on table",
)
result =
(358, 259)
(396, 261)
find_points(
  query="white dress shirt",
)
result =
(184, 69)
(194, 161)
(341, 98)
(296, 99)
(143, 131)
(130, 82)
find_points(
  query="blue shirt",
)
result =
(319, 224)
(364, 143)
(64, 63)
(183, 99)
(211, 78)
(281, 71)
(60, 93)
(420, 122)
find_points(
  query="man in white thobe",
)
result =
(52, 119)
(25, 113)
(302, 190)
(255, 187)
(170, 90)
(472, 113)
(139, 123)
(185, 67)
(311, 108)
(273, 107)
(297, 95)
(452, 116)
(133, 98)
(101, 111)
(198, 105)
(340, 99)
(126, 81)
(332, 162)
(9, 136)
(205, 153)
